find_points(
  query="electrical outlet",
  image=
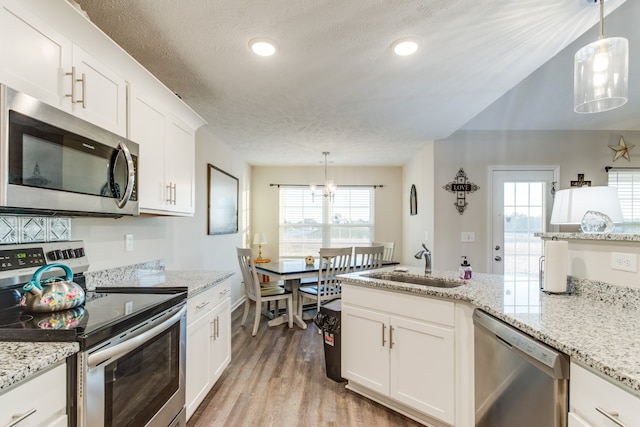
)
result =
(624, 262)
(128, 242)
(468, 236)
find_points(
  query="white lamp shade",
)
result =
(571, 204)
(601, 74)
(259, 239)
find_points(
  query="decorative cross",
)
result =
(461, 186)
(581, 182)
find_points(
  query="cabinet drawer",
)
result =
(589, 391)
(46, 393)
(415, 306)
(200, 304)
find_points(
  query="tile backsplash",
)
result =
(30, 229)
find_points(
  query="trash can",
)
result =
(328, 320)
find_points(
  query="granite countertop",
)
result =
(19, 360)
(597, 325)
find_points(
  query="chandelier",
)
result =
(329, 190)
(601, 71)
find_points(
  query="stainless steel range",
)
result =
(131, 364)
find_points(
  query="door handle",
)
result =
(498, 258)
(497, 247)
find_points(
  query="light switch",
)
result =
(468, 236)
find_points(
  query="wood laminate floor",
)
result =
(277, 378)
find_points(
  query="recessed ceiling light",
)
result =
(263, 47)
(404, 47)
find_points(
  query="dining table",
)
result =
(292, 271)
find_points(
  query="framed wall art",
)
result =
(222, 201)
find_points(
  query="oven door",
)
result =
(136, 379)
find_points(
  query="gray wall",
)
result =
(575, 152)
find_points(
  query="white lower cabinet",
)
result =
(37, 402)
(208, 342)
(399, 349)
(597, 402)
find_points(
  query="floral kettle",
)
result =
(53, 294)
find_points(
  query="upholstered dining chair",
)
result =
(388, 249)
(260, 294)
(334, 261)
(367, 257)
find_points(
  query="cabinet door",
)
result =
(34, 57)
(180, 164)
(221, 340)
(148, 129)
(199, 355)
(422, 367)
(104, 93)
(365, 348)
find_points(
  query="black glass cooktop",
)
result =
(105, 312)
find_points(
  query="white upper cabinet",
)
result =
(101, 94)
(166, 170)
(41, 62)
(34, 56)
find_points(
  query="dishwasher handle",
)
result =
(552, 362)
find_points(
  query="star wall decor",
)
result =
(622, 150)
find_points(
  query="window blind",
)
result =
(627, 181)
(310, 221)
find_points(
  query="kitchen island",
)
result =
(597, 325)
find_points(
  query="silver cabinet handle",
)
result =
(74, 80)
(226, 291)
(203, 305)
(390, 337)
(175, 191)
(212, 330)
(217, 326)
(611, 416)
(84, 91)
(383, 335)
(18, 418)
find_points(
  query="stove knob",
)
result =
(59, 254)
(52, 255)
(69, 253)
(79, 252)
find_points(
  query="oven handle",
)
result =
(118, 350)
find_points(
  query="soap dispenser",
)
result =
(465, 269)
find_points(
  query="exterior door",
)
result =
(521, 206)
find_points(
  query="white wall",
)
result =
(182, 242)
(388, 200)
(574, 151)
(418, 229)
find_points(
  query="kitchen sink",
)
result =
(438, 282)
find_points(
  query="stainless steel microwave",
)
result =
(52, 162)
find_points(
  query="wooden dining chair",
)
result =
(260, 294)
(335, 261)
(367, 257)
(388, 249)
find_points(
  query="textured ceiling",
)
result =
(335, 84)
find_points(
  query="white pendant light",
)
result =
(601, 73)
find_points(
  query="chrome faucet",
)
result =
(427, 258)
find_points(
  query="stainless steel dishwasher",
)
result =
(518, 380)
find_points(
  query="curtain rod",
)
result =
(321, 185)
(608, 168)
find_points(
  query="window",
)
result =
(309, 222)
(627, 181)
